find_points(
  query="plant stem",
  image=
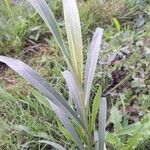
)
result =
(86, 123)
(85, 117)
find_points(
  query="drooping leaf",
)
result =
(91, 62)
(67, 124)
(41, 84)
(102, 122)
(73, 28)
(45, 12)
(95, 108)
(74, 90)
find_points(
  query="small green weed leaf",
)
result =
(65, 132)
(139, 133)
(117, 24)
(114, 140)
(115, 118)
(126, 130)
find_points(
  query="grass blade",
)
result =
(73, 28)
(74, 90)
(28, 130)
(40, 83)
(95, 108)
(40, 98)
(48, 17)
(67, 124)
(102, 123)
(92, 59)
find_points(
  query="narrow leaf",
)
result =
(40, 98)
(55, 145)
(95, 107)
(74, 90)
(102, 123)
(96, 140)
(64, 131)
(67, 124)
(48, 17)
(40, 83)
(73, 28)
(91, 62)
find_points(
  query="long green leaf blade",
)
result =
(45, 12)
(91, 62)
(102, 123)
(73, 28)
(74, 90)
(95, 108)
(40, 83)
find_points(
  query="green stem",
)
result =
(86, 122)
(85, 117)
